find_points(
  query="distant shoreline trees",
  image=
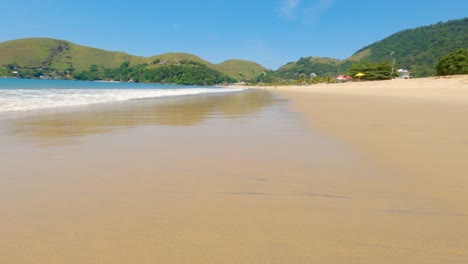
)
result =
(453, 63)
(373, 71)
(183, 72)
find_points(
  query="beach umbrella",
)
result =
(359, 75)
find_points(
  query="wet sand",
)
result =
(229, 179)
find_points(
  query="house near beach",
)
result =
(403, 74)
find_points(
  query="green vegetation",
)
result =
(60, 55)
(304, 72)
(183, 72)
(4, 72)
(174, 57)
(237, 69)
(240, 69)
(373, 71)
(455, 62)
(272, 78)
(419, 49)
(313, 66)
(310, 65)
(52, 58)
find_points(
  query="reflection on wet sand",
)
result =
(213, 179)
(175, 111)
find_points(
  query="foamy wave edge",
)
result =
(22, 100)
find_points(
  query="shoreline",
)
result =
(287, 176)
(215, 179)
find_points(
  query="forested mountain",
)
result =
(417, 50)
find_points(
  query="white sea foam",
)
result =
(29, 99)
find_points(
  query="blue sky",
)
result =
(271, 33)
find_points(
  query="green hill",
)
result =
(310, 66)
(31, 53)
(176, 57)
(237, 69)
(241, 69)
(83, 57)
(417, 50)
(37, 53)
(37, 56)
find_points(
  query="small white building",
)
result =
(404, 74)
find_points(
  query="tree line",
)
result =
(453, 63)
(184, 72)
(194, 73)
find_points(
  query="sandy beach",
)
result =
(416, 127)
(370, 172)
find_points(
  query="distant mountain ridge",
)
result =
(63, 56)
(417, 50)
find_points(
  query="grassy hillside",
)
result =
(36, 53)
(83, 57)
(31, 53)
(43, 55)
(174, 57)
(240, 69)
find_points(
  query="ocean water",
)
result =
(23, 94)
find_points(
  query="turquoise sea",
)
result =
(25, 94)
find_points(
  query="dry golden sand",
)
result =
(419, 130)
(241, 180)
(417, 127)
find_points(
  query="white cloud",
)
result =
(312, 13)
(287, 8)
(306, 11)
